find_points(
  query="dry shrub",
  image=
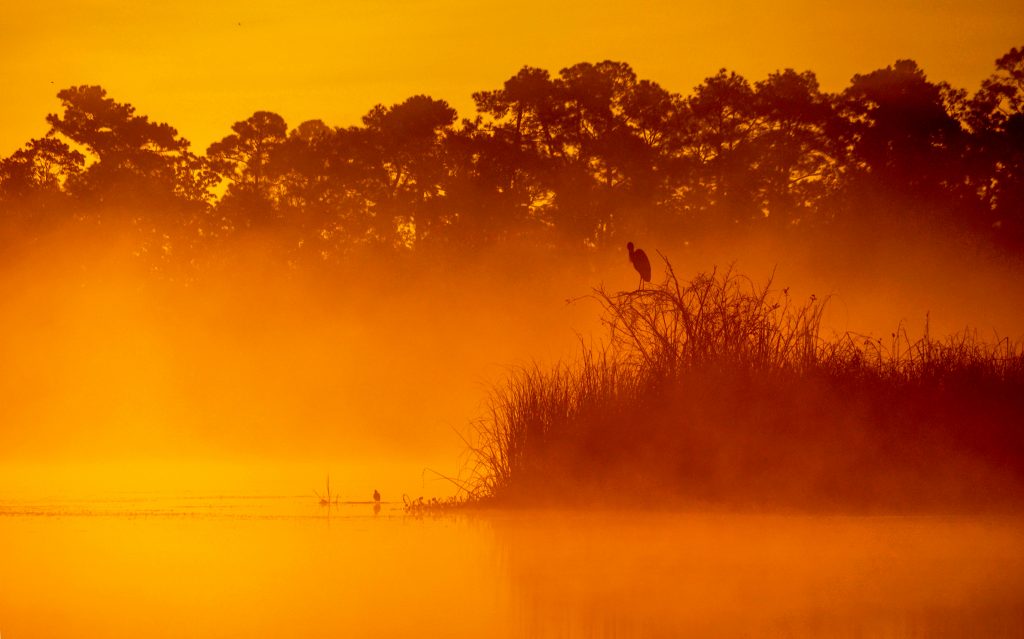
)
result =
(718, 389)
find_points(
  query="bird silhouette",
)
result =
(640, 263)
(376, 496)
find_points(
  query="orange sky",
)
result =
(203, 65)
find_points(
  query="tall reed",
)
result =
(723, 389)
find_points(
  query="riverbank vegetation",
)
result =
(718, 390)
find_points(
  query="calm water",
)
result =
(233, 567)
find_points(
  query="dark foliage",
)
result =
(586, 158)
(720, 391)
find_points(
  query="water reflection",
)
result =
(735, 576)
(282, 566)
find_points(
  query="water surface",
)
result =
(144, 566)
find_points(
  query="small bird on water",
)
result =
(640, 263)
(376, 495)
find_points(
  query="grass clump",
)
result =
(718, 390)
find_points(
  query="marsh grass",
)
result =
(723, 390)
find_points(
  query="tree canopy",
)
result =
(585, 158)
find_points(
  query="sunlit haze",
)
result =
(535, 319)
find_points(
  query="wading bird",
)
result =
(376, 495)
(640, 263)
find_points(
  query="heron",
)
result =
(640, 263)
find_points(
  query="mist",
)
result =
(247, 371)
(367, 373)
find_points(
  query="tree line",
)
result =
(589, 157)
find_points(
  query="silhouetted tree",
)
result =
(716, 133)
(518, 139)
(43, 165)
(796, 156)
(613, 130)
(32, 183)
(242, 159)
(140, 176)
(323, 176)
(481, 208)
(586, 158)
(996, 116)
(1001, 98)
(905, 145)
(528, 109)
(135, 158)
(581, 152)
(404, 150)
(650, 111)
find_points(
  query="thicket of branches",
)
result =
(584, 158)
(718, 389)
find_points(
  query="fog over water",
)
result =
(229, 566)
(250, 376)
